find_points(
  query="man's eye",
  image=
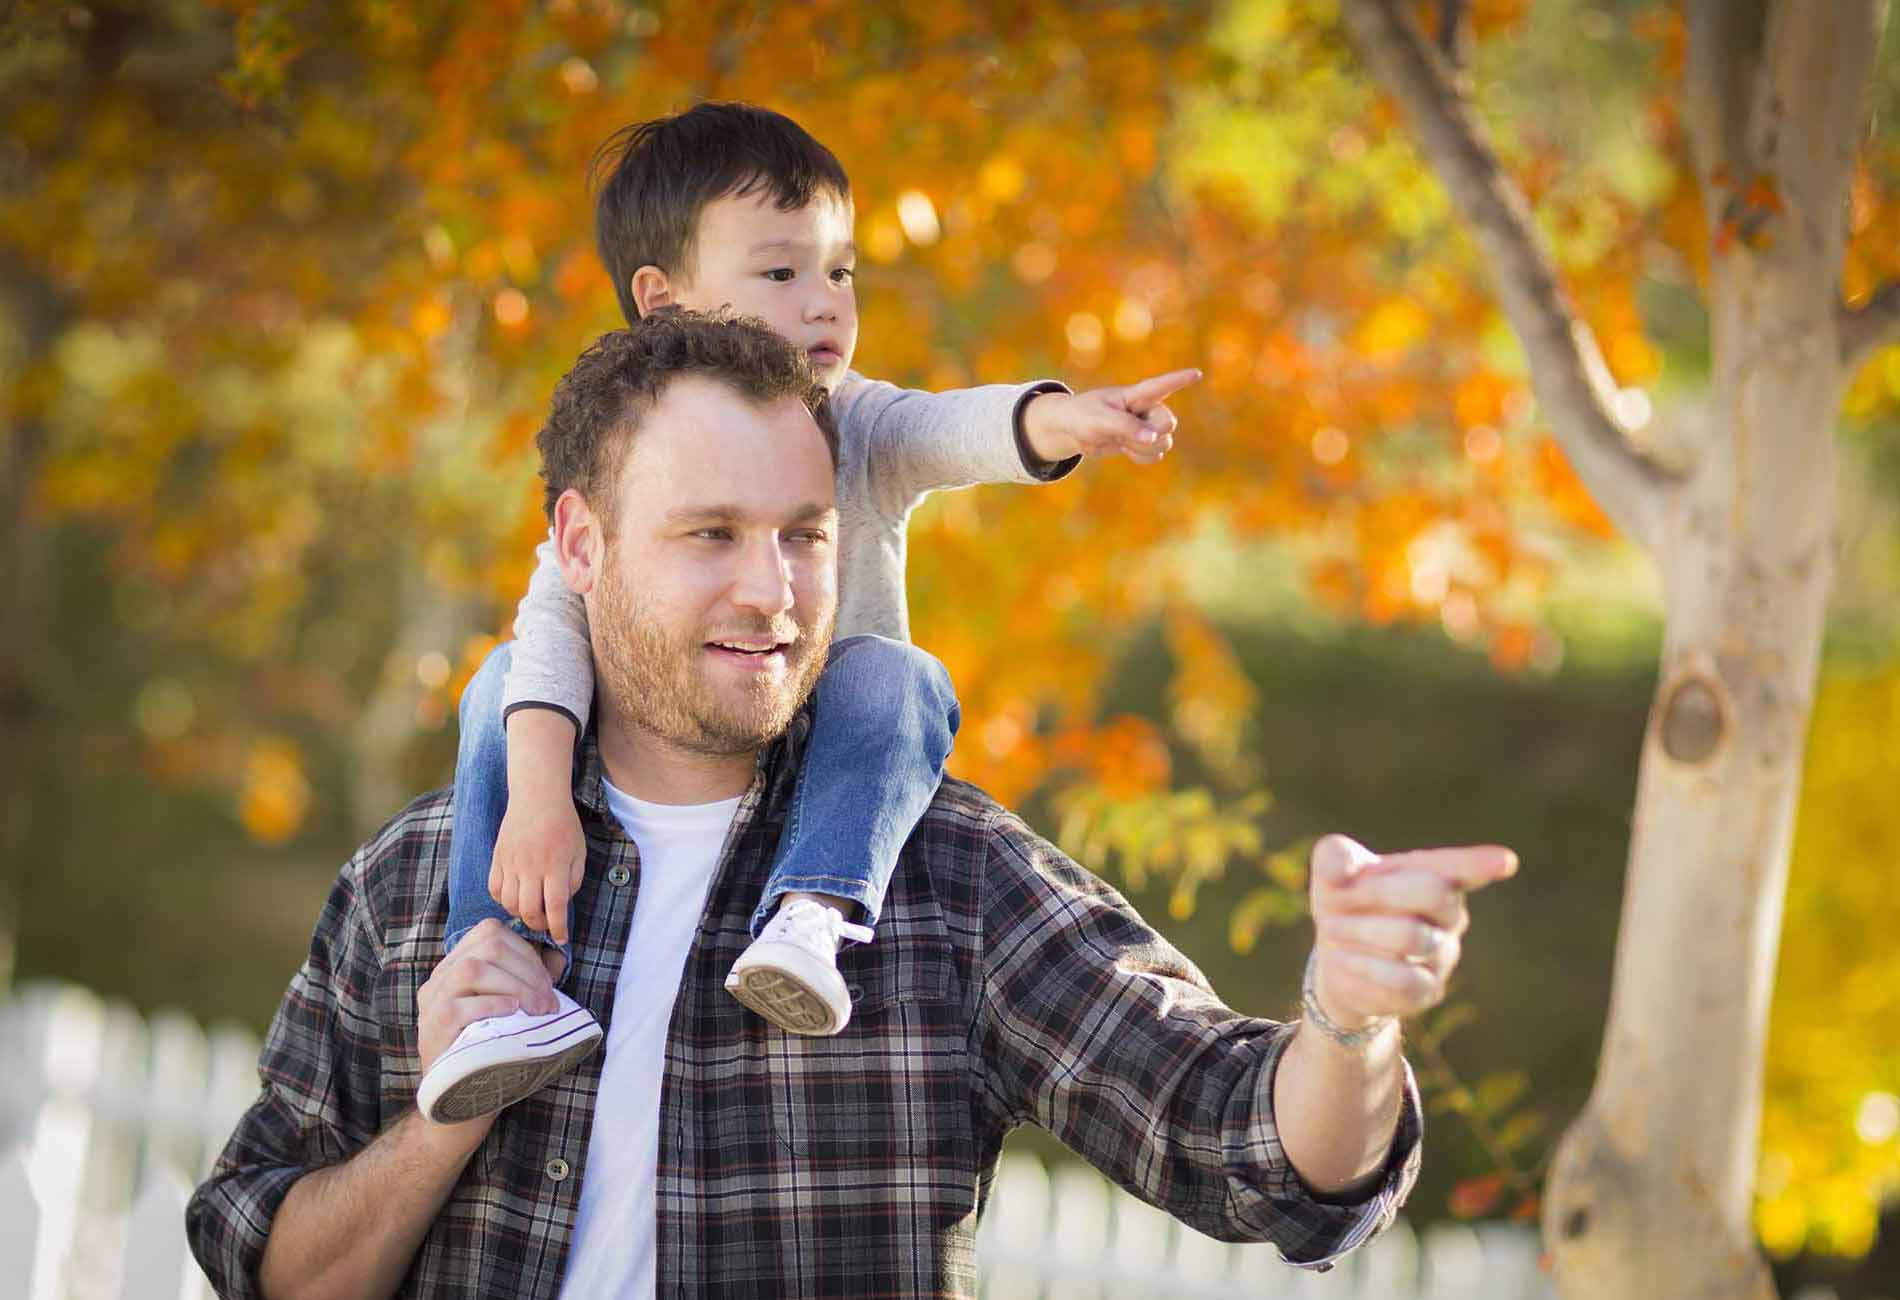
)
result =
(780, 274)
(715, 534)
(811, 536)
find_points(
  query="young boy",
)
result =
(728, 205)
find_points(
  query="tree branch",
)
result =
(1450, 26)
(1568, 374)
(1866, 330)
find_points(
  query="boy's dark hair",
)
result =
(655, 178)
(599, 404)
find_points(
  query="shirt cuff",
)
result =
(228, 1224)
(509, 712)
(1046, 471)
(1335, 1227)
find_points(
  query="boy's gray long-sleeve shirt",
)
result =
(895, 447)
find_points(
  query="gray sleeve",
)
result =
(553, 663)
(914, 443)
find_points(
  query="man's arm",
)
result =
(1094, 1027)
(351, 1230)
(326, 1096)
(1388, 933)
(1337, 1110)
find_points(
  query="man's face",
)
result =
(713, 610)
(793, 270)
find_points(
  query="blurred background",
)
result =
(285, 286)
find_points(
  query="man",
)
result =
(689, 463)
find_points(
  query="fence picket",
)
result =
(19, 1217)
(180, 1066)
(156, 1257)
(1079, 1229)
(112, 1117)
(1142, 1236)
(1388, 1266)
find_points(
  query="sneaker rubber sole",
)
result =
(496, 1073)
(785, 1001)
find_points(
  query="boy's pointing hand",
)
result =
(1132, 419)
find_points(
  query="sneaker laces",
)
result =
(817, 926)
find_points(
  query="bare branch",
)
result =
(1568, 374)
(1866, 330)
(1450, 29)
(1810, 108)
(1718, 89)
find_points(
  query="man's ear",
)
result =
(652, 288)
(580, 541)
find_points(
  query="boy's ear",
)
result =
(580, 541)
(651, 288)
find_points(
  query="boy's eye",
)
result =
(845, 274)
(780, 274)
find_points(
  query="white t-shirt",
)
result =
(612, 1254)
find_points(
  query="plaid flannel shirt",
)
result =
(1007, 985)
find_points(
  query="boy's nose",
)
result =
(821, 305)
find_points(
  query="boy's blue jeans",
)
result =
(885, 715)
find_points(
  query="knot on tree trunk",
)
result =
(1624, 1224)
(1694, 718)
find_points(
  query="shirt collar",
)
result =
(777, 765)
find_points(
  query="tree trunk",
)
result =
(1651, 1192)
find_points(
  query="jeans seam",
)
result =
(816, 883)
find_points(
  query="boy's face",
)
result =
(793, 270)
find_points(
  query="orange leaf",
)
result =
(1472, 1197)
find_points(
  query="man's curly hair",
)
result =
(599, 405)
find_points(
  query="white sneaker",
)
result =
(496, 1062)
(789, 974)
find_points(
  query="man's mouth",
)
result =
(823, 354)
(752, 652)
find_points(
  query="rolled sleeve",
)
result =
(228, 1222)
(1097, 1029)
(1314, 1231)
(320, 1069)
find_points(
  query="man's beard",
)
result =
(662, 684)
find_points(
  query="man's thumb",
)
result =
(1337, 859)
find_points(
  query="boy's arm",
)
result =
(546, 699)
(553, 662)
(906, 443)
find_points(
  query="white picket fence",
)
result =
(107, 1119)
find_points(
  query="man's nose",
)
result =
(764, 580)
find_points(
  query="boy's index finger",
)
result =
(1140, 396)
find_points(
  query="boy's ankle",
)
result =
(844, 907)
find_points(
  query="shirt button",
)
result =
(557, 1170)
(619, 876)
